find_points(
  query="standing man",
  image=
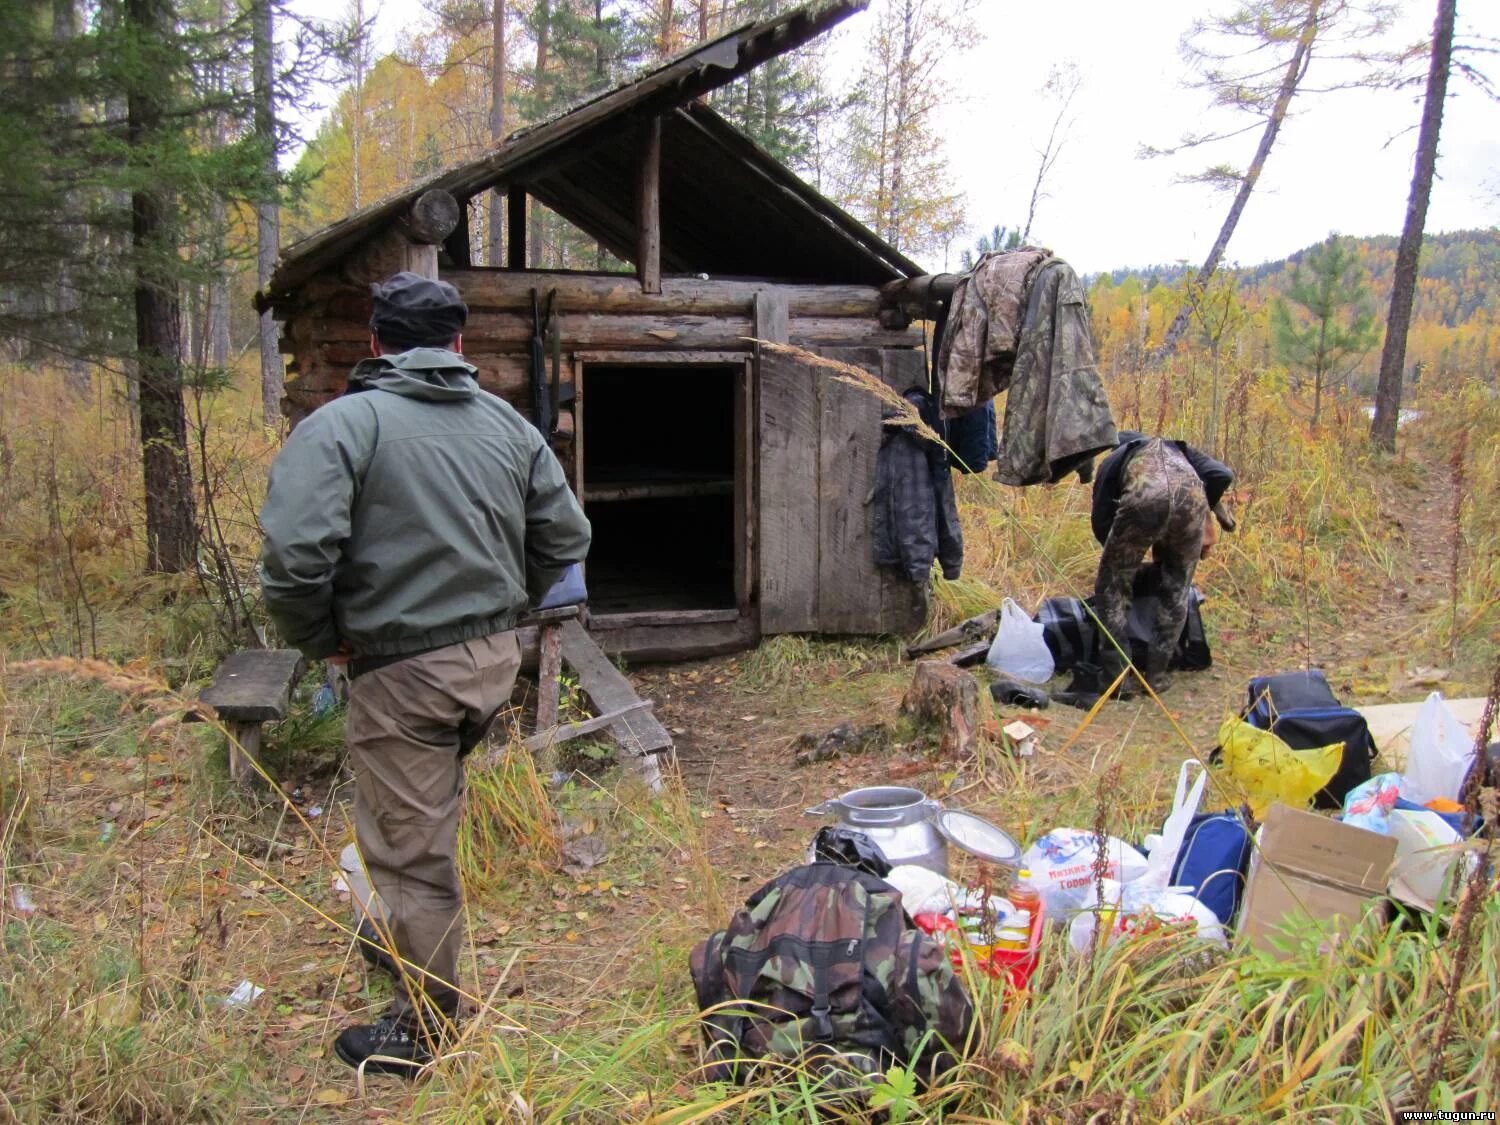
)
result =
(407, 524)
(1156, 495)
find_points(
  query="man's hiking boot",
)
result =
(372, 948)
(387, 1046)
(1087, 686)
(1013, 692)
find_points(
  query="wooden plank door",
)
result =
(788, 479)
(855, 595)
(819, 440)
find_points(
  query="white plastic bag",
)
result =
(1163, 850)
(1442, 751)
(1136, 908)
(1427, 850)
(1019, 648)
(1062, 868)
(924, 891)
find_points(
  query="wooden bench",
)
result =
(251, 688)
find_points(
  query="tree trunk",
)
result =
(267, 211)
(1404, 284)
(902, 124)
(67, 306)
(497, 129)
(170, 516)
(1295, 69)
(539, 83)
(664, 47)
(357, 128)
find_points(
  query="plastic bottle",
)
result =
(1024, 894)
(1015, 940)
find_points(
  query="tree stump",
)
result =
(947, 696)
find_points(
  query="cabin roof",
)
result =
(728, 208)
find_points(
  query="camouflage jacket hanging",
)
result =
(1057, 418)
(979, 342)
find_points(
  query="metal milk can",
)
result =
(909, 827)
(897, 818)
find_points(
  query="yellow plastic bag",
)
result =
(1266, 769)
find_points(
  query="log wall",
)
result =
(326, 332)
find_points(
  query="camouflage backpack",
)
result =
(823, 963)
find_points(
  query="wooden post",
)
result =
(548, 676)
(515, 229)
(457, 244)
(244, 750)
(648, 252)
(410, 243)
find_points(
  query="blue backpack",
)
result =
(1214, 861)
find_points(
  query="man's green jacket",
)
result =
(418, 512)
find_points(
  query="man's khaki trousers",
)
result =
(403, 736)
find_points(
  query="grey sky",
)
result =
(1342, 163)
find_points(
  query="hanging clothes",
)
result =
(916, 517)
(986, 310)
(1057, 418)
(972, 440)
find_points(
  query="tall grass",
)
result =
(121, 952)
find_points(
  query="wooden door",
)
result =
(818, 441)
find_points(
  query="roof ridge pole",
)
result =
(648, 198)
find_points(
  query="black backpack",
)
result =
(823, 967)
(1073, 638)
(1300, 709)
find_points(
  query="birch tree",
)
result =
(898, 175)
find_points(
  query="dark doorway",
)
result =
(659, 486)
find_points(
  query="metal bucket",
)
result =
(897, 818)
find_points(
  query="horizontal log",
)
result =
(489, 333)
(817, 332)
(671, 617)
(503, 290)
(919, 297)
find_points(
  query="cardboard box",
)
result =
(1310, 871)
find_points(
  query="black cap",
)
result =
(412, 311)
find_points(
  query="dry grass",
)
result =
(112, 990)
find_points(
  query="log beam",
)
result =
(648, 251)
(915, 298)
(515, 228)
(431, 218)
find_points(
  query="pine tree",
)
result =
(1254, 61)
(1340, 320)
(1404, 284)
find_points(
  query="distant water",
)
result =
(1404, 416)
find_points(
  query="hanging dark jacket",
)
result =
(915, 517)
(1057, 418)
(1109, 479)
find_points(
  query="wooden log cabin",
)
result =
(728, 486)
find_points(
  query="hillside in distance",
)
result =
(1455, 329)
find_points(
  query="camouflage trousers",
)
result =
(1162, 510)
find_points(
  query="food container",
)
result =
(910, 828)
(1013, 965)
